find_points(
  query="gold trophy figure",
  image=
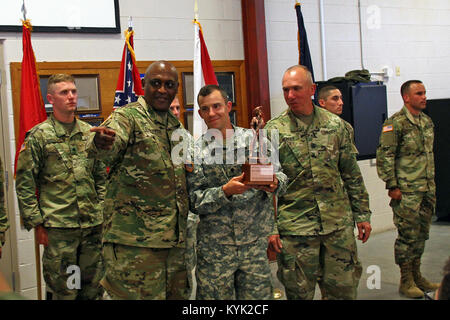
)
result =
(257, 170)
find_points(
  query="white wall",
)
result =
(410, 34)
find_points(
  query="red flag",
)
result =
(209, 76)
(203, 75)
(32, 109)
(129, 85)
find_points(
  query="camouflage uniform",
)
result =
(351, 132)
(325, 197)
(232, 232)
(4, 225)
(405, 161)
(193, 219)
(146, 206)
(70, 188)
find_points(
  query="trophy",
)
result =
(257, 170)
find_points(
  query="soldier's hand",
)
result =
(364, 229)
(104, 137)
(395, 194)
(235, 186)
(268, 188)
(275, 243)
(41, 235)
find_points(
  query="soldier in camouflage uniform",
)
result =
(235, 219)
(146, 204)
(325, 197)
(66, 214)
(4, 225)
(405, 162)
(330, 98)
(192, 221)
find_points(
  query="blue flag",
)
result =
(303, 48)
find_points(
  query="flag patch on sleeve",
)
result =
(23, 147)
(388, 128)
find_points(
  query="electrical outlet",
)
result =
(397, 71)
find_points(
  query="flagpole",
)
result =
(37, 249)
(197, 77)
(195, 11)
(130, 23)
(24, 11)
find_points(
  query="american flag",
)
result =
(129, 85)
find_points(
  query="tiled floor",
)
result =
(379, 251)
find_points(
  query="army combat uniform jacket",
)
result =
(326, 190)
(70, 186)
(237, 220)
(4, 225)
(351, 132)
(405, 154)
(146, 203)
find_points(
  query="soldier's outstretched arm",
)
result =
(111, 137)
(104, 137)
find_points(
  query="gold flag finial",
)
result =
(27, 24)
(195, 11)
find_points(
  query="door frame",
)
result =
(9, 261)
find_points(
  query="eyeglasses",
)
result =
(168, 85)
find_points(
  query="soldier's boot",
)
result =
(407, 286)
(420, 281)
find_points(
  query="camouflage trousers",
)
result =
(412, 217)
(228, 272)
(135, 273)
(191, 245)
(74, 247)
(331, 259)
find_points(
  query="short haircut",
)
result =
(324, 92)
(299, 66)
(162, 65)
(57, 78)
(405, 87)
(210, 88)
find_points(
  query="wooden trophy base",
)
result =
(257, 174)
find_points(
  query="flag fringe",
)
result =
(128, 34)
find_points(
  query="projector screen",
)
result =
(90, 16)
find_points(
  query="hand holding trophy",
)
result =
(258, 171)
